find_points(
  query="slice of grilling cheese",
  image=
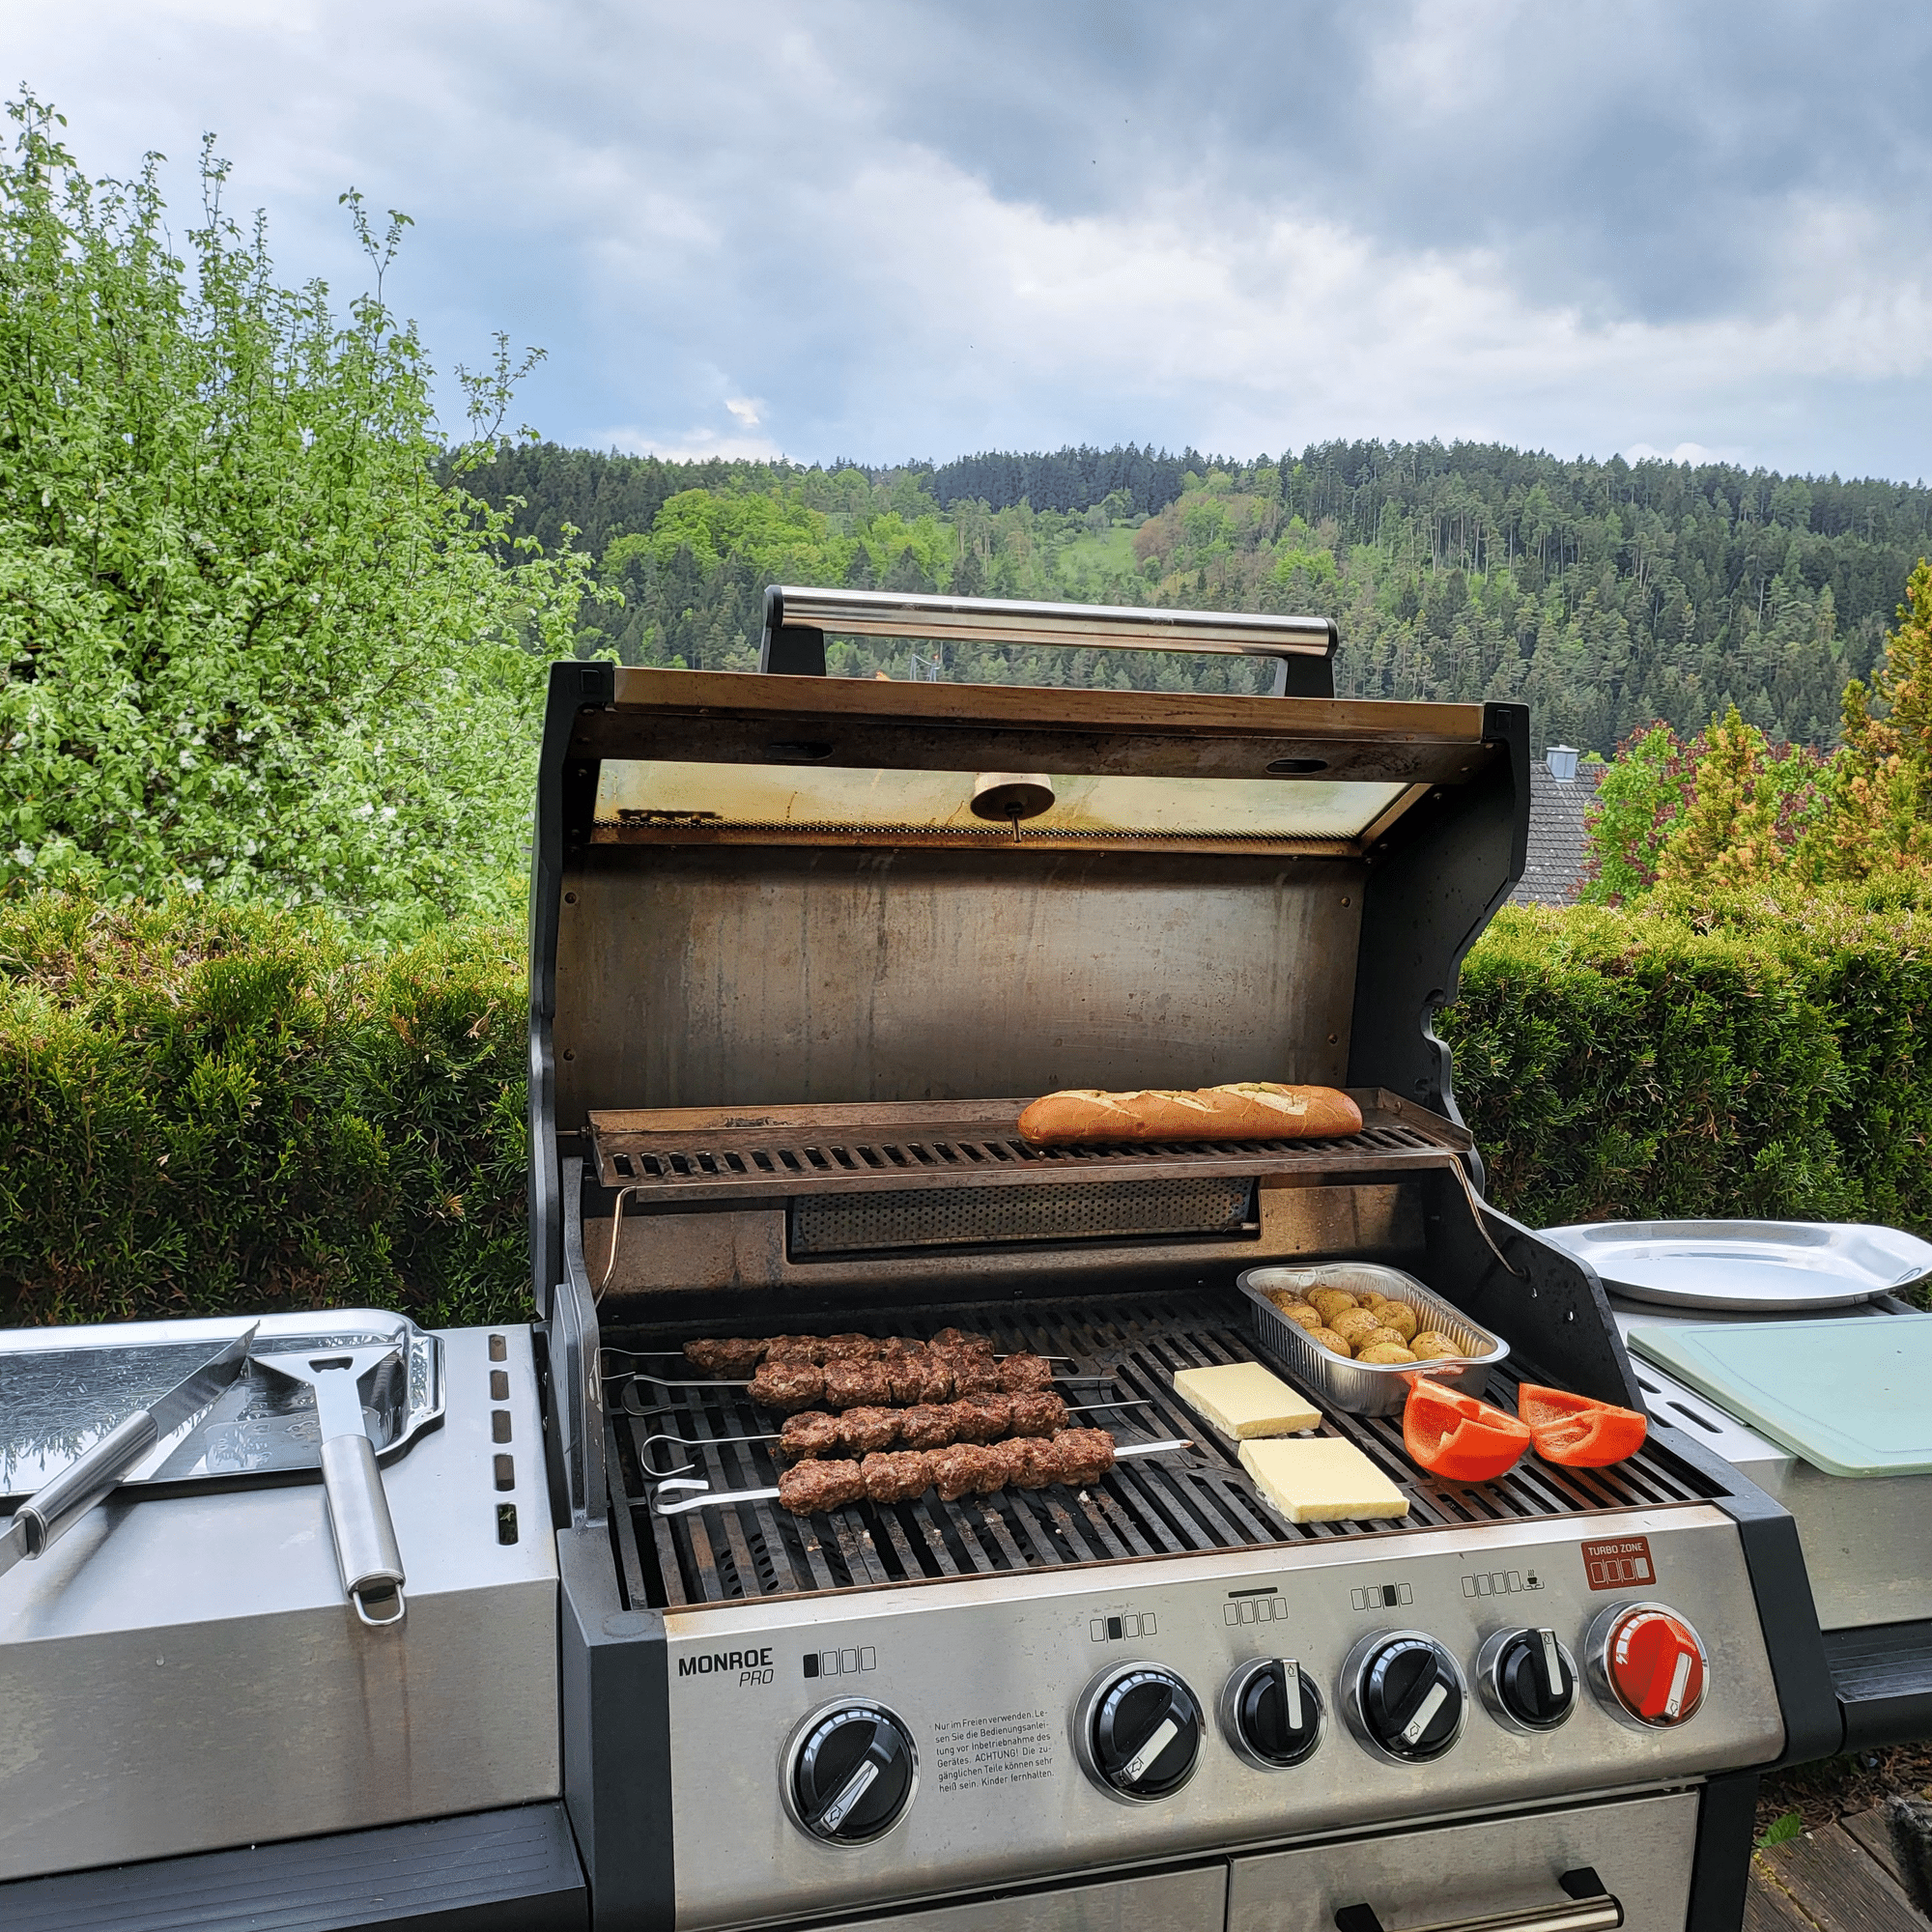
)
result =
(1322, 1479)
(1243, 1400)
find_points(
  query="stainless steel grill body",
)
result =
(182, 1673)
(985, 1674)
(779, 974)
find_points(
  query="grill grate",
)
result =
(1177, 1506)
(745, 1165)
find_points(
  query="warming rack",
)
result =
(750, 1154)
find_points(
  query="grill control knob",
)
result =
(852, 1774)
(1138, 1730)
(1404, 1695)
(1527, 1679)
(1647, 1665)
(1271, 1713)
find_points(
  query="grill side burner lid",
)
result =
(774, 892)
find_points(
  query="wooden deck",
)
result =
(1839, 1879)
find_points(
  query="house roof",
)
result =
(1553, 873)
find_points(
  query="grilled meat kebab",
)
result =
(979, 1418)
(933, 1377)
(1074, 1457)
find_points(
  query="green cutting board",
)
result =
(1853, 1396)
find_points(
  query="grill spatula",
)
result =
(58, 1504)
(358, 1510)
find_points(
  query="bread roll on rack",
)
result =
(1249, 1110)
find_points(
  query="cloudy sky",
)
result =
(900, 227)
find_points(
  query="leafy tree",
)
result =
(1726, 810)
(1880, 786)
(1728, 835)
(1639, 801)
(782, 538)
(250, 646)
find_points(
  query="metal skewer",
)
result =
(722, 1498)
(776, 1435)
(678, 1354)
(661, 1382)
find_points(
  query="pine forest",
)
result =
(1606, 595)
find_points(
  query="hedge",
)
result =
(203, 1107)
(1763, 1058)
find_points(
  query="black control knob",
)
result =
(853, 1773)
(1272, 1713)
(1140, 1729)
(1527, 1679)
(1404, 1696)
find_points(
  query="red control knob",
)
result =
(1652, 1664)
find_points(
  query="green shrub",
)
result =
(204, 1107)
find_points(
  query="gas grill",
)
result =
(802, 949)
(793, 940)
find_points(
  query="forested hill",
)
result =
(1606, 594)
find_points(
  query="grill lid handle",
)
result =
(797, 619)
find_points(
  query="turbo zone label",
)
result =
(1618, 1563)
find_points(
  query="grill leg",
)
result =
(1726, 1829)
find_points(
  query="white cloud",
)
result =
(1693, 454)
(871, 230)
(689, 445)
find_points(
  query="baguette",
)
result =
(1249, 1110)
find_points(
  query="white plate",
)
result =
(1763, 1267)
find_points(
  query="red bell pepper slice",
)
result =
(1455, 1436)
(1577, 1432)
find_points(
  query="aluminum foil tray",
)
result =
(63, 1389)
(1366, 1388)
(1757, 1268)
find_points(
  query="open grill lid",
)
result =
(774, 892)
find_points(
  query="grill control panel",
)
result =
(999, 1736)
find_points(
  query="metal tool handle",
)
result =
(56, 1506)
(1595, 1910)
(797, 619)
(365, 1539)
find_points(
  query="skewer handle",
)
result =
(722, 1498)
(706, 1441)
(658, 1381)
